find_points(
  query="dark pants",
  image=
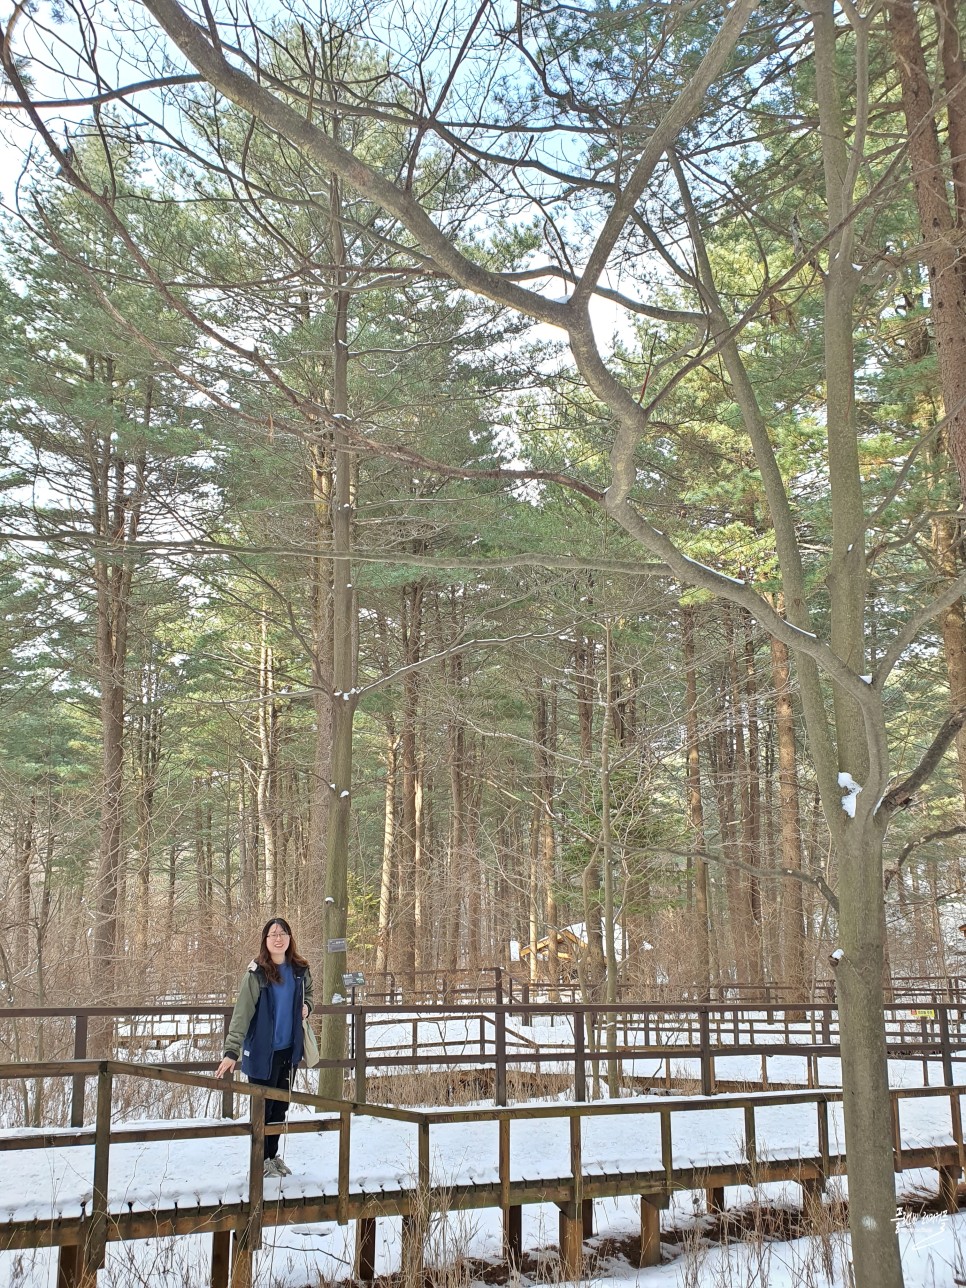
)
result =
(275, 1110)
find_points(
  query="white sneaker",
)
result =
(281, 1167)
(271, 1168)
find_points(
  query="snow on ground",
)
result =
(384, 1153)
(469, 1035)
(933, 1254)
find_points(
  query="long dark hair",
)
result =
(292, 954)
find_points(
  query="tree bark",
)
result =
(790, 827)
(343, 697)
(695, 808)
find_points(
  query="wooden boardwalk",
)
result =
(537, 1048)
(656, 1166)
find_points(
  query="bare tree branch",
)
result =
(939, 834)
(903, 792)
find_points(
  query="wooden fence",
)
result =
(237, 1227)
(574, 1043)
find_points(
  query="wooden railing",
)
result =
(84, 1240)
(505, 1043)
(498, 984)
(669, 1033)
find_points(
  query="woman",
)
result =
(266, 1025)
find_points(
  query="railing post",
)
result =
(80, 1081)
(220, 1258)
(707, 1069)
(650, 1231)
(500, 1095)
(572, 1213)
(360, 1056)
(342, 1200)
(95, 1239)
(580, 1065)
(365, 1259)
(512, 1213)
(227, 1095)
(751, 1140)
(947, 1054)
(249, 1238)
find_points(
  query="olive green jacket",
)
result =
(249, 991)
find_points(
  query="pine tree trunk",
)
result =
(388, 867)
(793, 917)
(344, 695)
(695, 809)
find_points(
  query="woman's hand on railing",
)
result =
(227, 1066)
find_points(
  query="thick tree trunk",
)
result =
(343, 695)
(147, 760)
(695, 809)
(267, 766)
(866, 1097)
(934, 184)
(545, 721)
(23, 853)
(388, 870)
(320, 792)
(412, 626)
(751, 795)
(793, 917)
(117, 493)
(424, 956)
(860, 742)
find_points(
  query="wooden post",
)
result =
(365, 1259)
(751, 1139)
(667, 1154)
(241, 1261)
(571, 1241)
(587, 1218)
(896, 1136)
(500, 1089)
(576, 1162)
(650, 1232)
(220, 1258)
(949, 1188)
(415, 1223)
(947, 1054)
(714, 1198)
(67, 1265)
(95, 1240)
(361, 1072)
(812, 1188)
(513, 1235)
(823, 1136)
(512, 1213)
(412, 1250)
(956, 1118)
(80, 1081)
(227, 1096)
(342, 1201)
(248, 1238)
(707, 1068)
(580, 1064)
